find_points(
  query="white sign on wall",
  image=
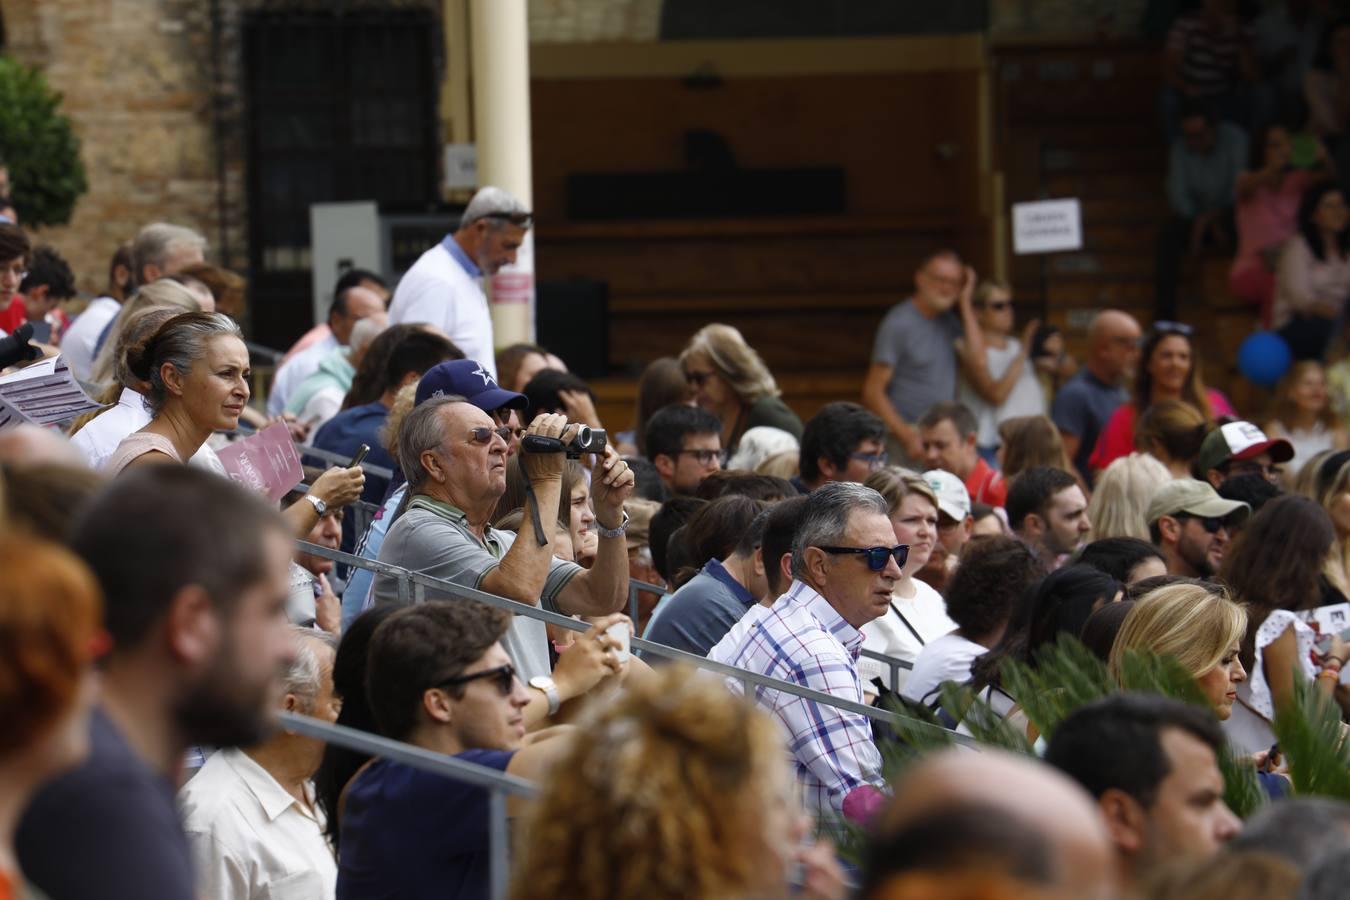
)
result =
(1047, 226)
(461, 166)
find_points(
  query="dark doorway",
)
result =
(340, 106)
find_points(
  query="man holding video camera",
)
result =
(454, 457)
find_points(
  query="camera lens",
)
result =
(583, 438)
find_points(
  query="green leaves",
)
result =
(39, 146)
(1312, 737)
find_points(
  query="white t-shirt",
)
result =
(948, 658)
(99, 438)
(1025, 399)
(77, 344)
(438, 291)
(296, 370)
(926, 611)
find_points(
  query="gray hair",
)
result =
(825, 517)
(492, 201)
(366, 330)
(423, 429)
(304, 677)
(1327, 878)
(156, 242)
(1299, 829)
(180, 342)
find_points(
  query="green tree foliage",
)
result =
(39, 146)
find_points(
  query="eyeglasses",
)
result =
(1211, 524)
(705, 457)
(697, 379)
(503, 677)
(1164, 326)
(874, 460)
(483, 434)
(876, 556)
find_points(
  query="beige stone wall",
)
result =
(136, 78)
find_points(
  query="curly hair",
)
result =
(50, 614)
(665, 795)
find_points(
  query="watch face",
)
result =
(542, 682)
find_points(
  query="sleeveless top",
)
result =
(137, 444)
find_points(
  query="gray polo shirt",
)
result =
(922, 358)
(434, 538)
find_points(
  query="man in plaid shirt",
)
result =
(844, 566)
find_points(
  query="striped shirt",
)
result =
(803, 640)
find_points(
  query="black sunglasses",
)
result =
(504, 677)
(1165, 326)
(876, 556)
(522, 219)
(1211, 524)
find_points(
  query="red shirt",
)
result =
(12, 316)
(985, 485)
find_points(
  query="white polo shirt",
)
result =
(250, 838)
(444, 289)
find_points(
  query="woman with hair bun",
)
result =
(730, 381)
(196, 368)
(50, 630)
(675, 791)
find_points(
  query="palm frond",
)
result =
(1312, 737)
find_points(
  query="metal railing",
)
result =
(412, 589)
(499, 785)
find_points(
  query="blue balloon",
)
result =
(1263, 358)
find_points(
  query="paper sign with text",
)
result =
(1047, 226)
(265, 462)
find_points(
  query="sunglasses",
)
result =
(1248, 467)
(874, 460)
(503, 677)
(876, 556)
(1211, 524)
(697, 379)
(996, 306)
(1165, 326)
(523, 219)
(483, 434)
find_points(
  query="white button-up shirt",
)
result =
(250, 839)
(802, 639)
(77, 344)
(444, 289)
(99, 438)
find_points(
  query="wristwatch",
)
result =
(319, 506)
(550, 690)
(613, 532)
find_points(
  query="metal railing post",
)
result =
(499, 845)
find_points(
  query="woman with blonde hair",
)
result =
(731, 381)
(1171, 432)
(675, 791)
(1027, 441)
(1302, 414)
(917, 613)
(1119, 503)
(1198, 626)
(164, 292)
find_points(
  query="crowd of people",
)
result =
(987, 498)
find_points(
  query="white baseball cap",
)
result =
(953, 498)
